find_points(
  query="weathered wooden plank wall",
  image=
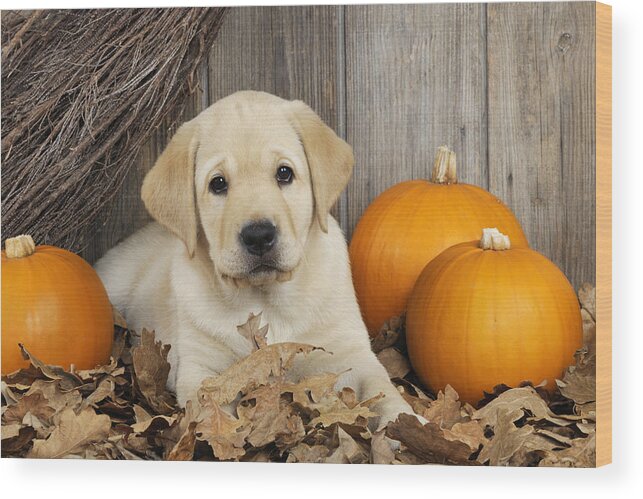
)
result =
(509, 86)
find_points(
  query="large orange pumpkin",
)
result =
(54, 303)
(408, 225)
(481, 314)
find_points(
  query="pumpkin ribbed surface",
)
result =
(477, 318)
(54, 303)
(407, 226)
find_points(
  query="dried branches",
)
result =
(81, 92)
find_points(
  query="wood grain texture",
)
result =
(540, 62)
(603, 234)
(288, 51)
(415, 79)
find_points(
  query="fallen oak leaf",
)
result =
(445, 411)
(225, 434)
(334, 411)
(66, 379)
(313, 389)
(381, 448)
(183, 450)
(587, 298)
(104, 390)
(579, 381)
(10, 430)
(269, 418)
(56, 398)
(521, 399)
(35, 404)
(16, 439)
(396, 364)
(581, 454)
(305, 453)
(469, 432)
(253, 333)
(348, 451)
(507, 439)
(151, 370)
(251, 371)
(73, 433)
(428, 442)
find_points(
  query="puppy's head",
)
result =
(253, 172)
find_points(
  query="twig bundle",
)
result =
(81, 92)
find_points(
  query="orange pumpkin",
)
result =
(408, 225)
(482, 314)
(54, 303)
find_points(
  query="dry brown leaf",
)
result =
(268, 417)
(152, 369)
(382, 448)
(507, 439)
(445, 410)
(385, 338)
(73, 433)
(348, 450)
(333, 410)
(66, 379)
(104, 390)
(581, 454)
(470, 432)
(396, 365)
(223, 432)
(304, 453)
(579, 381)
(589, 332)
(253, 333)
(428, 441)
(56, 398)
(313, 389)
(587, 298)
(10, 430)
(183, 450)
(520, 399)
(34, 404)
(254, 370)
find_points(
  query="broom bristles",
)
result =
(82, 90)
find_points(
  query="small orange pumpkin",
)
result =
(482, 314)
(408, 225)
(54, 303)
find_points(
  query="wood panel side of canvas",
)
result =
(603, 234)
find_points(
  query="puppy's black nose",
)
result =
(259, 237)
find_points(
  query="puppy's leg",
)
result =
(198, 361)
(364, 373)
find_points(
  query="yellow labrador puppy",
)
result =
(241, 198)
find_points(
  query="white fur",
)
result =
(154, 282)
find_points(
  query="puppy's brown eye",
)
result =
(218, 185)
(285, 175)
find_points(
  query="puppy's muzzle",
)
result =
(258, 238)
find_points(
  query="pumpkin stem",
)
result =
(19, 246)
(444, 167)
(493, 239)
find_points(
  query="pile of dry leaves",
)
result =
(123, 411)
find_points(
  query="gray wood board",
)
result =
(541, 89)
(509, 86)
(415, 79)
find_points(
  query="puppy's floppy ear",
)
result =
(168, 188)
(330, 159)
